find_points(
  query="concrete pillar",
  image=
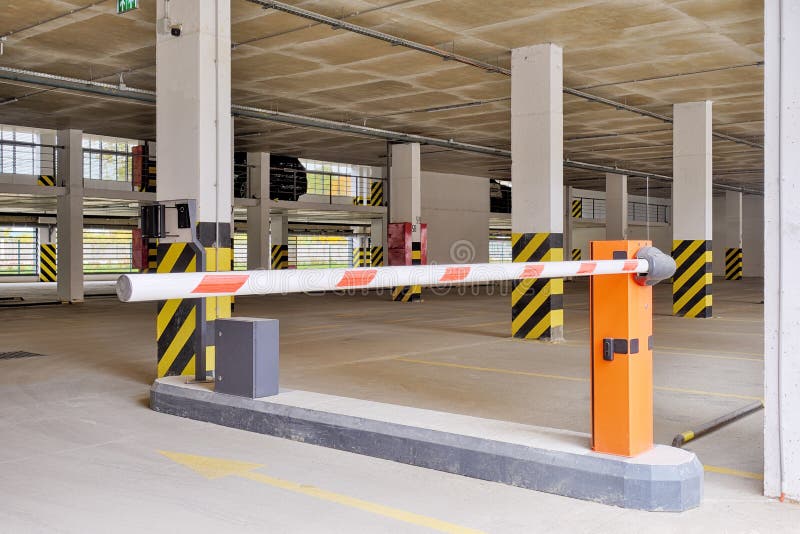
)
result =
(69, 218)
(616, 206)
(406, 187)
(781, 235)
(537, 223)
(193, 120)
(258, 255)
(568, 223)
(279, 240)
(733, 235)
(691, 209)
(377, 232)
(193, 130)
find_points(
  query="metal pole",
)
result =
(715, 424)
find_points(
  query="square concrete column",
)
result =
(691, 209)
(193, 117)
(781, 251)
(616, 206)
(195, 163)
(258, 255)
(733, 236)
(69, 217)
(377, 233)
(406, 187)
(537, 222)
(279, 241)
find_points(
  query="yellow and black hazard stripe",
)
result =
(577, 208)
(733, 264)
(46, 180)
(358, 201)
(150, 185)
(179, 321)
(360, 257)
(48, 266)
(691, 283)
(537, 305)
(576, 254)
(152, 257)
(216, 307)
(280, 257)
(376, 256)
(410, 293)
(376, 193)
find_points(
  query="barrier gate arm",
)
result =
(649, 267)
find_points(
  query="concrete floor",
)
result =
(80, 446)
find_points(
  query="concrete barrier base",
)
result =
(537, 458)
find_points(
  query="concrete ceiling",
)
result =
(647, 53)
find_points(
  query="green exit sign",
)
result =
(123, 6)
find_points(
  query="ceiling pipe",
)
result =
(145, 96)
(451, 56)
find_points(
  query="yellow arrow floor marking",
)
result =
(213, 468)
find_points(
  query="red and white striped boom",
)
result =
(147, 287)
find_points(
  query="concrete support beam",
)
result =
(692, 209)
(406, 186)
(537, 221)
(616, 206)
(258, 216)
(781, 235)
(70, 217)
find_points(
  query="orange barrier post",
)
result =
(621, 323)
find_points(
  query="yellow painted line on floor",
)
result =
(732, 472)
(711, 356)
(570, 378)
(689, 350)
(213, 468)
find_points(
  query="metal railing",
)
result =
(107, 165)
(107, 251)
(595, 209)
(21, 157)
(19, 251)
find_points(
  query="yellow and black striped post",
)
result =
(216, 307)
(577, 208)
(691, 284)
(280, 257)
(733, 264)
(537, 306)
(152, 257)
(361, 257)
(376, 256)
(410, 293)
(46, 180)
(150, 185)
(358, 201)
(179, 321)
(376, 193)
(48, 266)
(576, 254)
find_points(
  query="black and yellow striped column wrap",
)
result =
(410, 293)
(279, 257)
(152, 257)
(376, 256)
(376, 193)
(733, 264)
(48, 265)
(577, 208)
(358, 201)
(179, 321)
(361, 257)
(691, 283)
(150, 182)
(537, 306)
(216, 307)
(576, 254)
(46, 180)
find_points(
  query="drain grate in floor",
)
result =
(17, 354)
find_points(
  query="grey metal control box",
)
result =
(247, 357)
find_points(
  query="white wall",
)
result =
(456, 209)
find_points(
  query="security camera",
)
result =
(175, 30)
